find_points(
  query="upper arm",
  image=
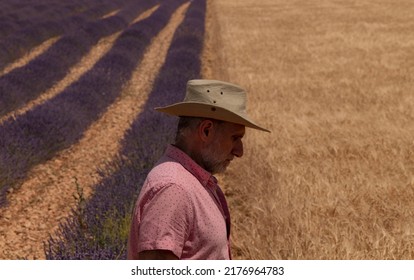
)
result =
(157, 255)
(166, 220)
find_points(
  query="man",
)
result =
(181, 212)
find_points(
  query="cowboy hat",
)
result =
(213, 99)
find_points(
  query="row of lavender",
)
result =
(98, 229)
(20, 13)
(10, 7)
(13, 21)
(60, 122)
(26, 83)
(23, 13)
(21, 36)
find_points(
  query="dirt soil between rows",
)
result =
(46, 197)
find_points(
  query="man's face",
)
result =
(227, 144)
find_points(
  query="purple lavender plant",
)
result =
(55, 21)
(60, 122)
(26, 83)
(98, 229)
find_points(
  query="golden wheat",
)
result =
(334, 81)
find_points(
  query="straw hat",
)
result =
(213, 99)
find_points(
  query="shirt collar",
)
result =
(205, 177)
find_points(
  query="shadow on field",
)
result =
(99, 228)
(60, 122)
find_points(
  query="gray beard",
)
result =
(211, 160)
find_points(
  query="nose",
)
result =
(238, 148)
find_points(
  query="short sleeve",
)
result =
(166, 220)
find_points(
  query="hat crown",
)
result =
(217, 93)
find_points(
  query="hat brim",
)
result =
(196, 109)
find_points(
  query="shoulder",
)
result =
(167, 179)
(171, 173)
(170, 181)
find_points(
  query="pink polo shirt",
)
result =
(181, 209)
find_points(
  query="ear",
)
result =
(206, 130)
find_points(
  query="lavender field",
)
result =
(65, 217)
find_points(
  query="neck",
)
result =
(191, 152)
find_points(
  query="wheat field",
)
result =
(333, 80)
